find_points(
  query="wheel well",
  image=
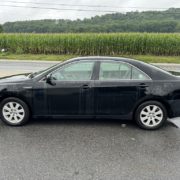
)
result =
(165, 104)
(22, 99)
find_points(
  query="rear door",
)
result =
(117, 88)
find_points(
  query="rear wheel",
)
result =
(14, 111)
(151, 115)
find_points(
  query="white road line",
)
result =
(175, 121)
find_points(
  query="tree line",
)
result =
(1, 29)
(148, 21)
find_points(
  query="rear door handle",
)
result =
(85, 86)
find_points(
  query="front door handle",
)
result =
(142, 85)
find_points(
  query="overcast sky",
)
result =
(17, 13)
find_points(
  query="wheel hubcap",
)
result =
(13, 112)
(151, 115)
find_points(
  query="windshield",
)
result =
(35, 74)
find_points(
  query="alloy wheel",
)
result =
(151, 115)
(13, 112)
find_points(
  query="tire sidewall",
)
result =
(142, 106)
(22, 103)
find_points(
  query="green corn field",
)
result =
(92, 44)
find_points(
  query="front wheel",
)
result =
(14, 111)
(151, 115)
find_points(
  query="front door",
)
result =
(71, 92)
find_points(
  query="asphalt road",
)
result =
(15, 67)
(29, 66)
(48, 149)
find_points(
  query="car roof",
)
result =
(107, 58)
(102, 58)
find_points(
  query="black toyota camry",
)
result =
(93, 87)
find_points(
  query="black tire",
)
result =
(21, 117)
(150, 124)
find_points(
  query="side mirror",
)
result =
(49, 80)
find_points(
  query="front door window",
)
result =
(78, 71)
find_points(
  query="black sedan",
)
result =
(93, 87)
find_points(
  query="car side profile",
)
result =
(92, 87)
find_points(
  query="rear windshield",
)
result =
(170, 72)
(175, 73)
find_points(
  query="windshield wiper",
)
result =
(32, 75)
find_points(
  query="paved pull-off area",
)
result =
(88, 150)
(48, 149)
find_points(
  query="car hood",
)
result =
(15, 78)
